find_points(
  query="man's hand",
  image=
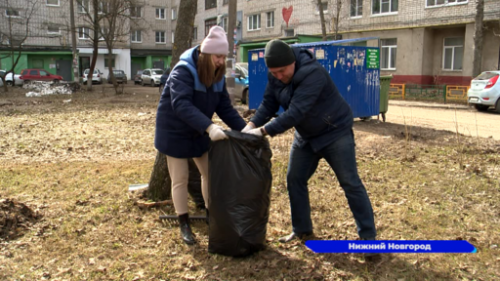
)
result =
(248, 127)
(215, 133)
(257, 132)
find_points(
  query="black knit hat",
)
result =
(278, 54)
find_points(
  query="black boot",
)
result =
(186, 233)
(208, 217)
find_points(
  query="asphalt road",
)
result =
(466, 120)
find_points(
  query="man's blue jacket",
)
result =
(312, 105)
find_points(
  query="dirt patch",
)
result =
(15, 218)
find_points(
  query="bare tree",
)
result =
(15, 30)
(322, 19)
(478, 39)
(90, 18)
(337, 15)
(115, 28)
(160, 182)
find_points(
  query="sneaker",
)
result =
(296, 236)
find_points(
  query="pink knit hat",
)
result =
(216, 42)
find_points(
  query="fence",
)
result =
(436, 93)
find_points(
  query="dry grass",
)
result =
(73, 162)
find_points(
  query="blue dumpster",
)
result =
(355, 71)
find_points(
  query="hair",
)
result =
(206, 70)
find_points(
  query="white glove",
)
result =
(248, 127)
(215, 133)
(256, 132)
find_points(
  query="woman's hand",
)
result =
(215, 133)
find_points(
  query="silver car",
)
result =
(151, 76)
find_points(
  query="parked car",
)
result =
(96, 77)
(17, 81)
(35, 74)
(163, 79)
(484, 91)
(151, 76)
(241, 82)
(137, 77)
(120, 76)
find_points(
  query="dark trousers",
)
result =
(341, 157)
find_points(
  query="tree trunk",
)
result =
(183, 29)
(478, 39)
(95, 46)
(322, 19)
(159, 183)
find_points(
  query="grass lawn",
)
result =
(70, 164)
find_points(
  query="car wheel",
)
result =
(497, 106)
(481, 107)
(9, 83)
(244, 96)
(56, 81)
(152, 83)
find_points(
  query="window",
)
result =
(254, 22)
(33, 72)
(53, 29)
(52, 2)
(160, 13)
(160, 37)
(384, 6)
(103, 8)
(174, 13)
(173, 36)
(104, 33)
(324, 5)
(270, 19)
(453, 53)
(209, 4)
(11, 13)
(289, 32)
(43, 73)
(106, 57)
(225, 2)
(82, 6)
(195, 33)
(135, 11)
(388, 54)
(136, 36)
(223, 23)
(356, 8)
(439, 3)
(83, 33)
(208, 24)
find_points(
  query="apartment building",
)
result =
(422, 41)
(145, 39)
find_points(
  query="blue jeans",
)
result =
(341, 156)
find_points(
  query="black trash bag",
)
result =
(194, 185)
(240, 186)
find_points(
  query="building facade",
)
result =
(421, 41)
(144, 37)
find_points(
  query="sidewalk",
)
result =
(428, 104)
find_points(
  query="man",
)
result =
(323, 122)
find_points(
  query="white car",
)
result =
(151, 76)
(9, 81)
(96, 78)
(485, 91)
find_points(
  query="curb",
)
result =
(430, 105)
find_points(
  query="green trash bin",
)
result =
(385, 82)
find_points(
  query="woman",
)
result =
(194, 91)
